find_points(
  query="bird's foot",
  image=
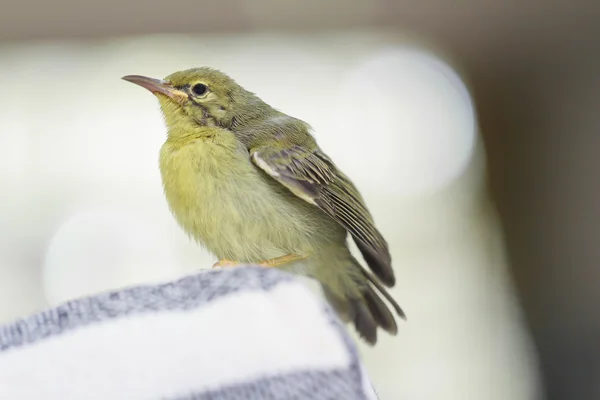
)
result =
(226, 263)
(278, 261)
(273, 262)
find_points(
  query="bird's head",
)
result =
(202, 97)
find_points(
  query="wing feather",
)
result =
(313, 177)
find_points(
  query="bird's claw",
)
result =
(225, 263)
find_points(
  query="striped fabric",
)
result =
(227, 334)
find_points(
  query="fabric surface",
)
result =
(232, 333)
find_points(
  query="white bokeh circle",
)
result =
(102, 249)
(409, 121)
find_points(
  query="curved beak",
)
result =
(158, 86)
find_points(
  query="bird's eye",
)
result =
(199, 89)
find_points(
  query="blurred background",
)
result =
(472, 130)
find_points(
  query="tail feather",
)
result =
(367, 311)
(382, 315)
(373, 281)
(364, 321)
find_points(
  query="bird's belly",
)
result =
(239, 213)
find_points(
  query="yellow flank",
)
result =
(233, 209)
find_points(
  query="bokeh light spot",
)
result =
(409, 118)
(101, 249)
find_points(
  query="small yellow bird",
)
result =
(251, 185)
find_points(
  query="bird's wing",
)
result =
(312, 176)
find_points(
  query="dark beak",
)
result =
(158, 86)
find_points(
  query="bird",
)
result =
(251, 185)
